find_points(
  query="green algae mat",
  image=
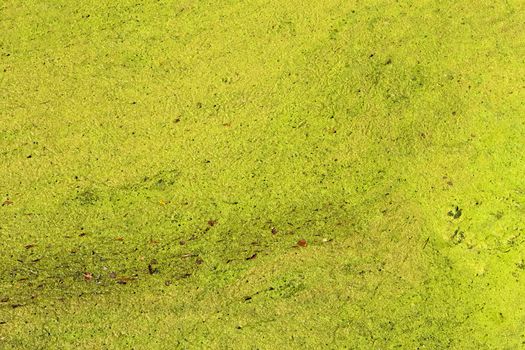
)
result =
(262, 174)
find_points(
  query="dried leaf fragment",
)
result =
(302, 243)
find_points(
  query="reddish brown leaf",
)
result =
(274, 231)
(302, 243)
(88, 276)
(212, 222)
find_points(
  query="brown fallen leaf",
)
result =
(7, 202)
(302, 243)
(212, 222)
(120, 239)
(252, 257)
(88, 276)
(274, 231)
(29, 246)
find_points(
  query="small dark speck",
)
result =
(457, 214)
(30, 156)
(133, 103)
(388, 61)
(199, 105)
(371, 55)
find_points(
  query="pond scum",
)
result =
(262, 175)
